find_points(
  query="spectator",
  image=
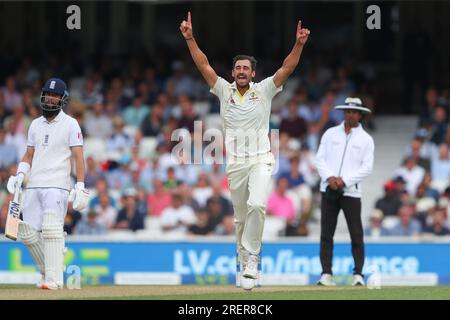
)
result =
(92, 174)
(299, 192)
(202, 191)
(217, 194)
(119, 141)
(390, 203)
(438, 227)
(98, 124)
(130, 216)
(439, 125)
(171, 181)
(153, 123)
(186, 193)
(89, 225)
(106, 213)
(216, 212)
(90, 94)
(376, 229)
(279, 204)
(11, 96)
(4, 113)
(431, 102)
(308, 111)
(8, 153)
(135, 180)
(159, 200)
(177, 218)
(135, 114)
(429, 190)
(20, 121)
(416, 150)
(307, 167)
(440, 164)
(412, 174)
(186, 171)
(202, 226)
(17, 139)
(188, 116)
(408, 225)
(119, 177)
(293, 125)
(101, 186)
(425, 208)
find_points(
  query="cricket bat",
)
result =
(13, 218)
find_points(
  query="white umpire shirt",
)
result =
(246, 118)
(347, 156)
(50, 167)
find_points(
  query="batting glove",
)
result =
(14, 181)
(79, 197)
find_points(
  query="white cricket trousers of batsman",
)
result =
(44, 210)
(249, 182)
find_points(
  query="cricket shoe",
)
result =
(358, 280)
(326, 280)
(247, 283)
(51, 285)
(251, 267)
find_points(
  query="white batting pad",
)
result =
(52, 233)
(31, 239)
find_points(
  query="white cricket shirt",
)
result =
(50, 167)
(349, 156)
(246, 118)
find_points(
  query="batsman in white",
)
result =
(53, 139)
(245, 110)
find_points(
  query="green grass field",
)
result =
(191, 292)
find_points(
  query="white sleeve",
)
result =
(219, 88)
(321, 164)
(267, 86)
(31, 140)
(75, 135)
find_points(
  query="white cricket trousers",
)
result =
(37, 201)
(249, 181)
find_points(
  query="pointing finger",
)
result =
(189, 17)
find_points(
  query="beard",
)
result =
(50, 114)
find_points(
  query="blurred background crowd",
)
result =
(131, 85)
(127, 119)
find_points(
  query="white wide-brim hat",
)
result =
(354, 104)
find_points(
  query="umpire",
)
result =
(344, 159)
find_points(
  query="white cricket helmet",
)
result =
(354, 104)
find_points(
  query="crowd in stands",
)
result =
(127, 118)
(417, 198)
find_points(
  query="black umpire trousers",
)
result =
(329, 216)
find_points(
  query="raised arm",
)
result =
(200, 59)
(291, 61)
